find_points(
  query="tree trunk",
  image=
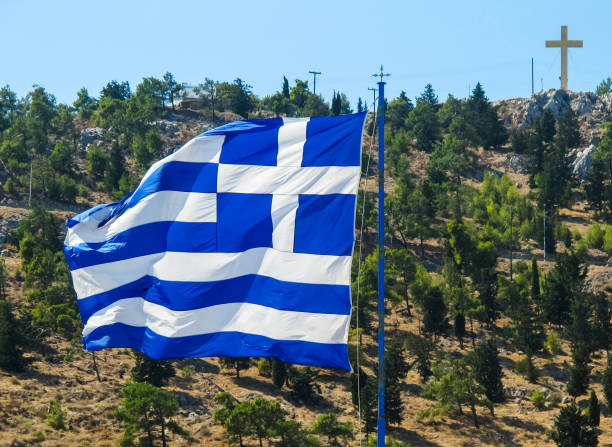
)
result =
(163, 433)
(260, 443)
(237, 369)
(422, 246)
(95, 366)
(474, 416)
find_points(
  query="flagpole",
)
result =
(381, 259)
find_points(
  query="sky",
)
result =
(68, 44)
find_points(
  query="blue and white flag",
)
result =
(237, 244)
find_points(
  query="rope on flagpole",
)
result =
(364, 177)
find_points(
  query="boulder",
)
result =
(583, 161)
(167, 127)
(89, 136)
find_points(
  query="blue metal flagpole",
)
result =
(381, 259)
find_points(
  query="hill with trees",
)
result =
(498, 311)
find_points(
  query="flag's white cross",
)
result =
(291, 139)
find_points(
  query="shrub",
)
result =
(552, 343)
(607, 239)
(187, 371)
(582, 248)
(538, 399)
(9, 186)
(595, 236)
(56, 417)
(264, 368)
(554, 398)
(526, 368)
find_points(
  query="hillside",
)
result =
(61, 370)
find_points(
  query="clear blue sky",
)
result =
(64, 45)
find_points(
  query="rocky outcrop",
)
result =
(91, 135)
(590, 109)
(583, 161)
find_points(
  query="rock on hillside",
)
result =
(591, 110)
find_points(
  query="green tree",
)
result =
(397, 111)
(152, 371)
(236, 363)
(434, 313)
(329, 426)
(285, 88)
(571, 429)
(422, 121)
(421, 350)
(455, 387)
(115, 168)
(396, 369)
(488, 370)
(301, 382)
(171, 88)
(97, 160)
(11, 357)
(209, 96)
(604, 87)
(116, 90)
(84, 105)
(279, 372)
(606, 382)
(564, 282)
(62, 158)
(146, 410)
(592, 411)
(236, 96)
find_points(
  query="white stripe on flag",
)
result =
(162, 206)
(291, 139)
(205, 149)
(248, 179)
(284, 208)
(177, 266)
(231, 317)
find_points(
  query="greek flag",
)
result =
(237, 244)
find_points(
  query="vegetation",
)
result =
(451, 228)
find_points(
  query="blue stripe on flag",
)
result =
(244, 221)
(335, 213)
(156, 237)
(257, 145)
(255, 289)
(235, 344)
(334, 141)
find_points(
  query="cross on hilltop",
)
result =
(564, 44)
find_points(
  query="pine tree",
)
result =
(329, 426)
(459, 326)
(487, 369)
(593, 411)
(237, 363)
(146, 409)
(562, 284)
(535, 281)
(10, 355)
(279, 372)
(396, 369)
(115, 169)
(571, 429)
(606, 382)
(434, 313)
(285, 89)
(423, 122)
(154, 372)
(421, 349)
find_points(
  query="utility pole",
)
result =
(544, 232)
(314, 83)
(30, 193)
(381, 258)
(374, 90)
(511, 240)
(531, 76)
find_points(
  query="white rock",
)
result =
(583, 161)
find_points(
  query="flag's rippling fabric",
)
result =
(237, 244)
